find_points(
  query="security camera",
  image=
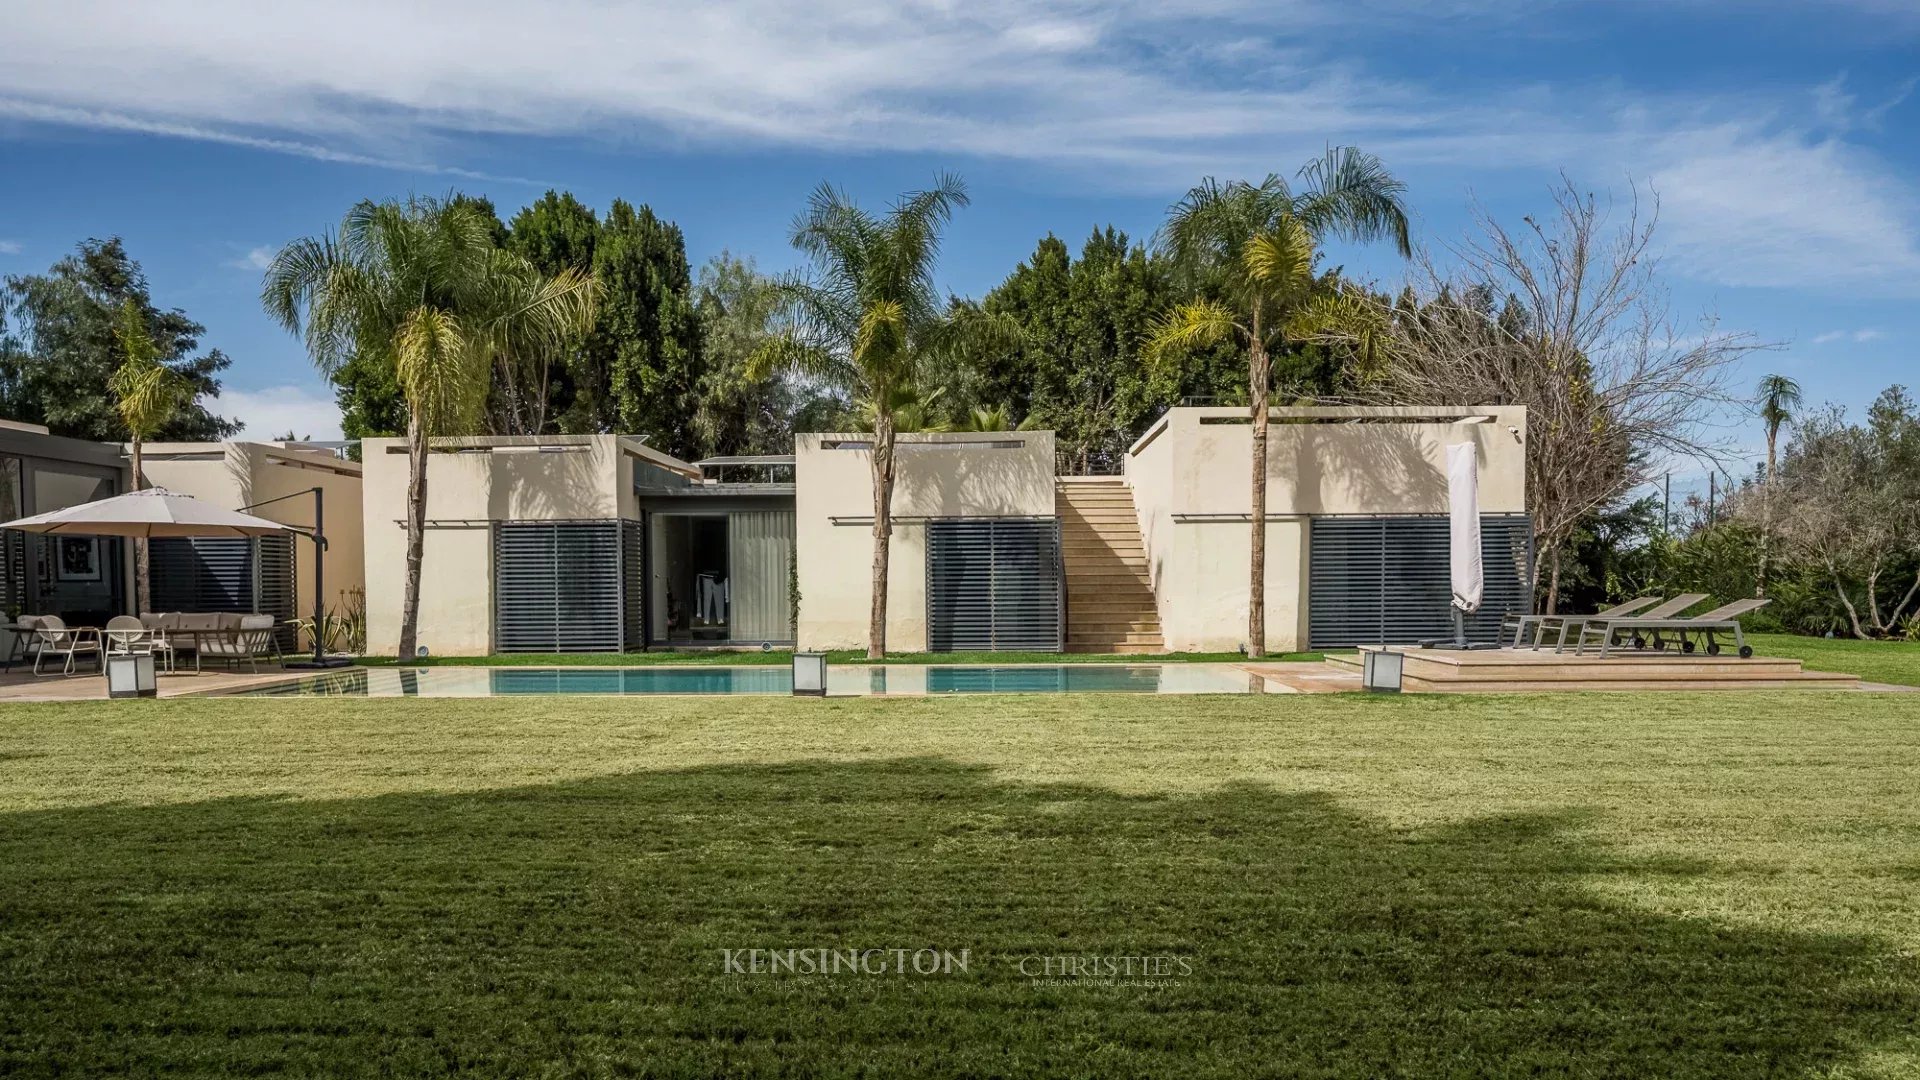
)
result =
(1513, 430)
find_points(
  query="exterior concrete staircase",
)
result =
(1110, 605)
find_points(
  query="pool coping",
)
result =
(1270, 682)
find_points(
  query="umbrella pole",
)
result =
(319, 538)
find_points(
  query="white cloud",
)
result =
(256, 258)
(1743, 205)
(10, 247)
(1832, 336)
(276, 410)
(1760, 189)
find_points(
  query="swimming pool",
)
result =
(852, 679)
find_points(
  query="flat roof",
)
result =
(747, 459)
(712, 490)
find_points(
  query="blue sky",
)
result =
(1780, 137)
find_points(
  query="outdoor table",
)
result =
(17, 651)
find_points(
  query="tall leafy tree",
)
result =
(421, 287)
(1778, 400)
(741, 409)
(870, 319)
(57, 364)
(533, 395)
(648, 334)
(146, 394)
(368, 396)
(1251, 250)
(1035, 297)
(1076, 366)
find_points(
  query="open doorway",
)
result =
(722, 579)
(691, 579)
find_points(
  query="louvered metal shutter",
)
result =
(1386, 579)
(201, 575)
(13, 571)
(205, 574)
(274, 590)
(633, 567)
(558, 587)
(993, 585)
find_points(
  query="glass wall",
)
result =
(79, 578)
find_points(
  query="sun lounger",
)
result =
(1668, 609)
(1519, 623)
(1722, 619)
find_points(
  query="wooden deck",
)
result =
(22, 686)
(1453, 671)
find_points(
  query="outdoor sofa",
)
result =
(231, 637)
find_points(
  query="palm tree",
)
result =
(911, 410)
(870, 320)
(1249, 251)
(994, 418)
(146, 393)
(1778, 397)
(420, 286)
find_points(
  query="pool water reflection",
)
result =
(854, 679)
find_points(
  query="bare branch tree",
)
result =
(1566, 317)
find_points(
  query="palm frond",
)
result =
(1189, 326)
(882, 333)
(1281, 257)
(443, 378)
(296, 273)
(1350, 193)
(1779, 398)
(146, 393)
(785, 352)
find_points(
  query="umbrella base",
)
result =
(314, 665)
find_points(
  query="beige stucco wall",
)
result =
(943, 475)
(471, 483)
(237, 474)
(1319, 462)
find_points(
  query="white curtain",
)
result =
(760, 549)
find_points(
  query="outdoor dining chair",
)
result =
(128, 635)
(53, 638)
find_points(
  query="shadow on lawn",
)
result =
(577, 929)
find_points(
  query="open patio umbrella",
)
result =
(157, 512)
(148, 513)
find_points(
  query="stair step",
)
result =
(1121, 649)
(1131, 593)
(1100, 631)
(1114, 635)
(1110, 602)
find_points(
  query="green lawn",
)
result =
(704, 657)
(1876, 661)
(1606, 885)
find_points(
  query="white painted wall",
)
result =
(943, 475)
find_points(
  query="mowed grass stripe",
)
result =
(1632, 885)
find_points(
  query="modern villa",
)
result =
(570, 543)
(602, 543)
